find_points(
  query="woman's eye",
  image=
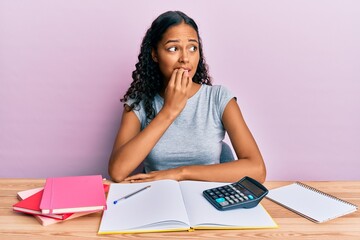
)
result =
(193, 49)
(172, 49)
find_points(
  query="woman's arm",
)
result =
(132, 145)
(250, 161)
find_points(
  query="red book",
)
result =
(31, 205)
(73, 194)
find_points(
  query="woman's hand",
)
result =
(177, 92)
(174, 174)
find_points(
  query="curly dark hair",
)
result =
(147, 78)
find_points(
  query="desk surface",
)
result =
(291, 226)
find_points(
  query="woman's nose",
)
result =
(184, 57)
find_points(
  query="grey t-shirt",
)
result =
(195, 137)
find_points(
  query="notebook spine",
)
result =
(324, 194)
(51, 195)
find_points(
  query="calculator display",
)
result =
(252, 187)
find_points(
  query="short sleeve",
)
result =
(223, 98)
(139, 111)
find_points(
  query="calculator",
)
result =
(246, 193)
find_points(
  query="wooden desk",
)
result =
(291, 226)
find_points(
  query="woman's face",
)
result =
(178, 48)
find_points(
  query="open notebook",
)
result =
(310, 203)
(169, 205)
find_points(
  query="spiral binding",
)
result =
(323, 193)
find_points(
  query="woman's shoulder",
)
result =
(137, 107)
(136, 104)
(220, 95)
(215, 87)
(217, 90)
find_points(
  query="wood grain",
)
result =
(291, 226)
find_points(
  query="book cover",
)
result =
(73, 194)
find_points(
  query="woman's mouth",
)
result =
(186, 69)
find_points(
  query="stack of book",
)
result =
(63, 198)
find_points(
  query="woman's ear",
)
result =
(153, 55)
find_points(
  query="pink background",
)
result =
(294, 66)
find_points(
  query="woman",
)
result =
(174, 119)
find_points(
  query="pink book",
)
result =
(73, 194)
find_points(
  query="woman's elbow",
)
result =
(116, 176)
(261, 173)
(115, 173)
(258, 171)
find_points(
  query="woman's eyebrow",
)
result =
(193, 40)
(171, 41)
(178, 40)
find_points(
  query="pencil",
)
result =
(131, 194)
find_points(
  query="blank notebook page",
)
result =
(309, 202)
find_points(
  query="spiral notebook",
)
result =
(310, 203)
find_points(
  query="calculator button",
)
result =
(251, 197)
(246, 198)
(224, 203)
(220, 200)
(241, 199)
(231, 201)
